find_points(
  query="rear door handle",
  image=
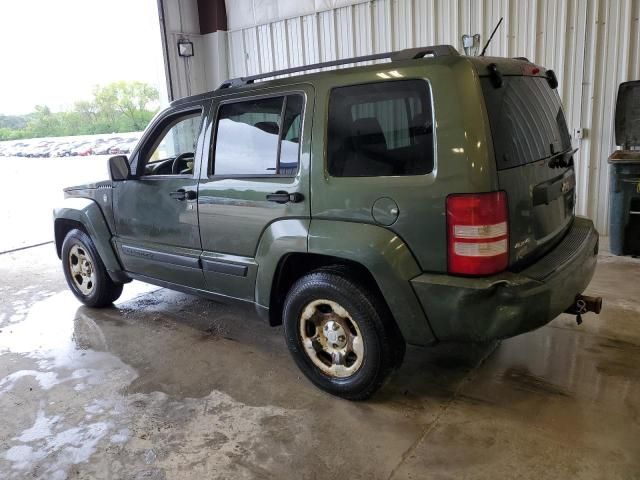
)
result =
(285, 197)
(183, 194)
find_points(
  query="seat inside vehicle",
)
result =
(269, 127)
(366, 149)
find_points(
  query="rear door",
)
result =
(534, 159)
(257, 174)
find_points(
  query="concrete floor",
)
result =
(166, 385)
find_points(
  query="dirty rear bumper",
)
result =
(504, 305)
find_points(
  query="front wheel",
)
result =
(340, 336)
(85, 273)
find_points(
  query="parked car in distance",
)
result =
(45, 150)
(15, 148)
(123, 147)
(82, 148)
(39, 149)
(59, 149)
(68, 150)
(435, 202)
(103, 149)
(67, 146)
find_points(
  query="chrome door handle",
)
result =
(284, 197)
(178, 194)
(183, 194)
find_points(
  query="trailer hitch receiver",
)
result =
(583, 304)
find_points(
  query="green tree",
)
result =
(116, 107)
(13, 122)
(135, 102)
(44, 123)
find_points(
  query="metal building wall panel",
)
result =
(593, 45)
(237, 53)
(294, 35)
(250, 39)
(311, 39)
(382, 26)
(280, 46)
(363, 29)
(267, 48)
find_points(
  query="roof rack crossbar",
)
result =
(407, 54)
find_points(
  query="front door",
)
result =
(156, 212)
(257, 175)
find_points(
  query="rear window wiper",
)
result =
(562, 159)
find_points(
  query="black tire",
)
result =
(383, 347)
(102, 291)
(398, 344)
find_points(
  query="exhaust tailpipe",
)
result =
(583, 304)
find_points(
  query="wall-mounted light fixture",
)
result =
(185, 48)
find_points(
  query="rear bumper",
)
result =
(508, 304)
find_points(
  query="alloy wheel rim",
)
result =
(82, 269)
(331, 338)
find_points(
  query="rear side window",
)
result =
(527, 121)
(380, 129)
(259, 137)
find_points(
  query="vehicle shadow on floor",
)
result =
(188, 346)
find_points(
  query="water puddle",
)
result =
(59, 356)
(67, 387)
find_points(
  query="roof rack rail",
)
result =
(407, 54)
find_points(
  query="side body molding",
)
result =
(390, 262)
(88, 214)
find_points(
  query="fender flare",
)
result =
(390, 262)
(87, 213)
(278, 239)
(383, 253)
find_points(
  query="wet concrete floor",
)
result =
(166, 385)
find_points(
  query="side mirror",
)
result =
(119, 168)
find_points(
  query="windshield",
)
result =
(527, 121)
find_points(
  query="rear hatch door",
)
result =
(534, 160)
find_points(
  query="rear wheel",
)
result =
(339, 334)
(85, 273)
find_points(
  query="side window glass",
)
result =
(173, 152)
(258, 137)
(380, 129)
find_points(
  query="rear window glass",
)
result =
(527, 121)
(380, 129)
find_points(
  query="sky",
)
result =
(53, 52)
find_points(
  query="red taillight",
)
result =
(478, 233)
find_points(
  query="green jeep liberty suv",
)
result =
(428, 198)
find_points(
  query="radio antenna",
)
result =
(491, 37)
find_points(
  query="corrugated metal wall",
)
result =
(188, 75)
(593, 45)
